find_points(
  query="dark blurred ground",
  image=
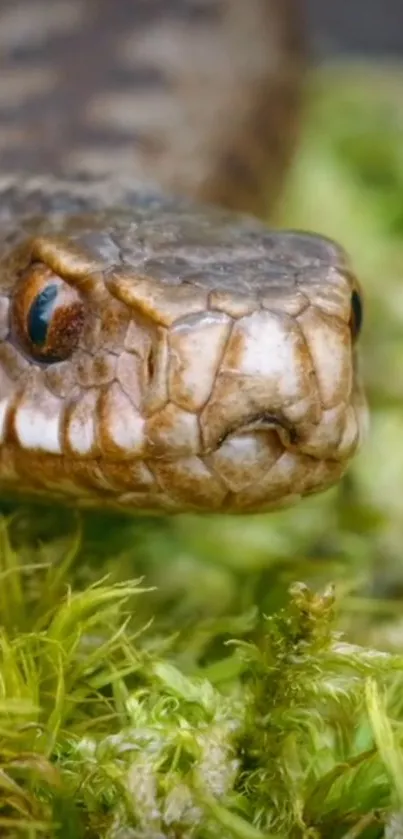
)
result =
(355, 27)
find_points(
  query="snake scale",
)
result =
(161, 349)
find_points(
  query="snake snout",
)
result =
(285, 414)
(293, 374)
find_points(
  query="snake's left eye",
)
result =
(356, 315)
(48, 315)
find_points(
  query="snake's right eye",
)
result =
(48, 315)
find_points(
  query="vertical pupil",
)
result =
(356, 306)
(40, 314)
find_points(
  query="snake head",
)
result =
(163, 357)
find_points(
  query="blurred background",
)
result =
(363, 27)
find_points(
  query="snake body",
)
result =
(157, 352)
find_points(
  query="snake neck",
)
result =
(201, 97)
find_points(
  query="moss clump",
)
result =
(106, 732)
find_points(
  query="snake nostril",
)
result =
(151, 364)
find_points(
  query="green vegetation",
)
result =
(237, 678)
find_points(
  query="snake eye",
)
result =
(48, 315)
(356, 315)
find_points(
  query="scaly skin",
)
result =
(187, 358)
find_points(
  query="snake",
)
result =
(162, 349)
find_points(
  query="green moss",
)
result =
(205, 677)
(103, 733)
